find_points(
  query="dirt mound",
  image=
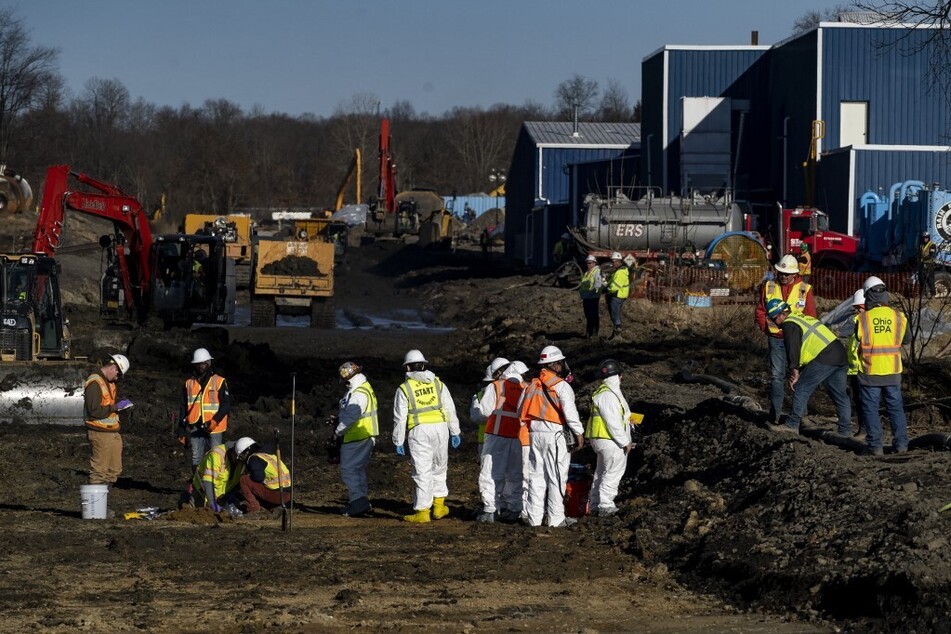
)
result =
(296, 265)
(768, 520)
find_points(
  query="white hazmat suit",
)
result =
(428, 443)
(612, 452)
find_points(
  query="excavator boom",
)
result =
(133, 234)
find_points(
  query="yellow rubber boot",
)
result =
(419, 517)
(440, 510)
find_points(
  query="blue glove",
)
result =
(123, 404)
(215, 507)
(400, 451)
(456, 441)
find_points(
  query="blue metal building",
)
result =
(870, 84)
(873, 88)
(676, 78)
(538, 182)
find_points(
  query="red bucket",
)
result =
(576, 497)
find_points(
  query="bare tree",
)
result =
(811, 19)
(578, 92)
(479, 138)
(615, 104)
(638, 114)
(356, 124)
(24, 72)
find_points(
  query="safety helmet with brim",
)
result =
(201, 355)
(121, 361)
(788, 265)
(550, 354)
(776, 307)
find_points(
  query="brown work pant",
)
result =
(105, 463)
(257, 495)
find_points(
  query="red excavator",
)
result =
(178, 279)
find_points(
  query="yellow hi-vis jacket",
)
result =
(596, 427)
(215, 468)
(879, 334)
(369, 423)
(816, 336)
(424, 403)
(619, 284)
(271, 480)
(203, 403)
(796, 300)
(853, 352)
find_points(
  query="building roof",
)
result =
(560, 134)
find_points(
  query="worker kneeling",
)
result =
(815, 357)
(266, 482)
(216, 477)
(609, 431)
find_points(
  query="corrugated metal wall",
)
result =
(519, 196)
(652, 124)
(874, 170)
(888, 69)
(738, 74)
(792, 95)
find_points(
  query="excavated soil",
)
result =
(724, 526)
(292, 265)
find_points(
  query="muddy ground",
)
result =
(724, 526)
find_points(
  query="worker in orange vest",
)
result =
(502, 454)
(548, 408)
(101, 415)
(795, 292)
(206, 403)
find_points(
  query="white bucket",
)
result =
(95, 501)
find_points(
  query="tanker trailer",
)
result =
(654, 225)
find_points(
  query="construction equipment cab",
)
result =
(33, 326)
(236, 230)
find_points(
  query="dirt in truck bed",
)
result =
(293, 265)
(723, 525)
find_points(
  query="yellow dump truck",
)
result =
(292, 277)
(236, 230)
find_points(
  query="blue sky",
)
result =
(298, 56)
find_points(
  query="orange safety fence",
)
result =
(683, 284)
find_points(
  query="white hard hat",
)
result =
(201, 355)
(520, 367)
(488, 374)
(414, 356)
(550, 354)
(242, 445)
(498, 363)
(788, 264)
(872, 282)
(121, 362)
(591, 258)
(616, 256)
(859, 298)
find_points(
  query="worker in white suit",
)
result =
(424, 417)
(502, 455)
(548, 408)
(480, 408)
(609, 432)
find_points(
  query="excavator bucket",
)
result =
(43, 392)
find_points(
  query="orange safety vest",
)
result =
(541, 400)
(108, 390)
(796, 300)
(203, 404)
(504, 420)
(880, 332)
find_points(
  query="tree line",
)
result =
(218, 157)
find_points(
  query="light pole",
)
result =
(497, 176)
